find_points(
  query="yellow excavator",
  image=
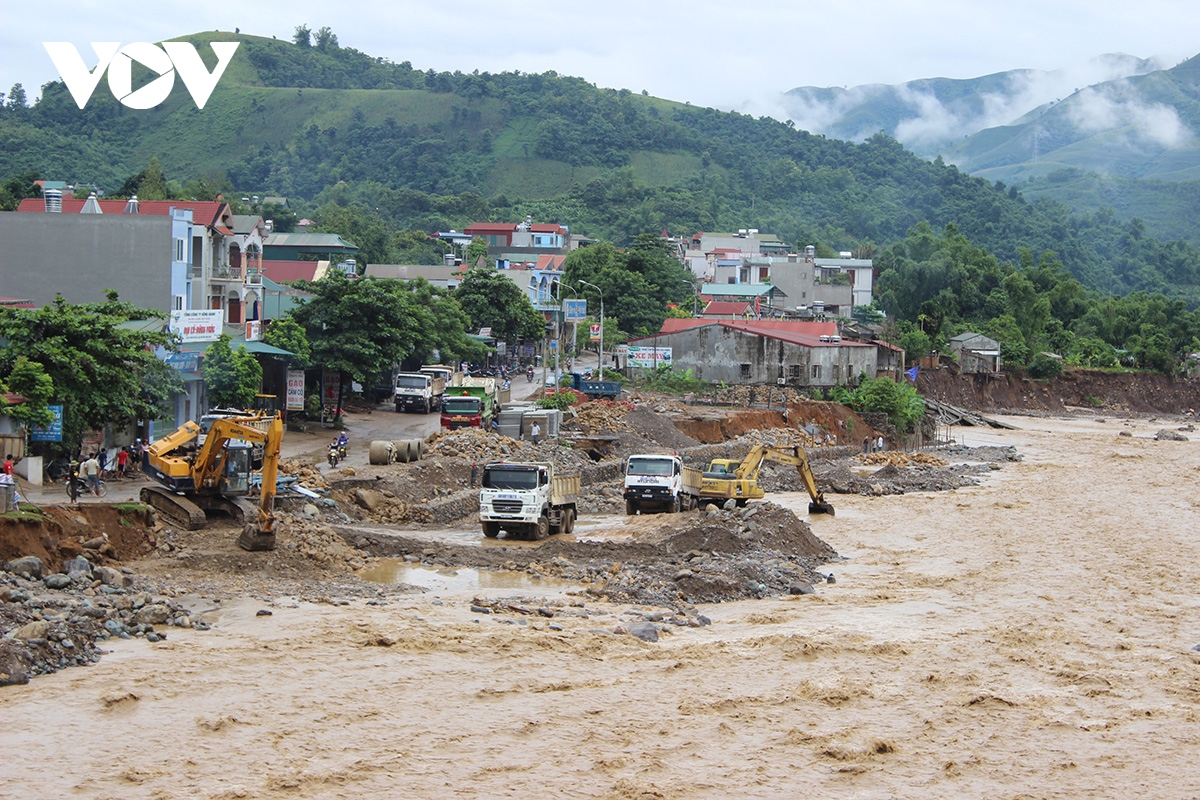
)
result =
(215, 476)
(728, 478)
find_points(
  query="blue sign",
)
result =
(574, 310)
(184, 362)
(52, 433)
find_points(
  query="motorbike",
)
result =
(81, 486)
(529, 374)
(335, 454)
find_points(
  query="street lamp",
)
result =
(600, 357)
(695, 296)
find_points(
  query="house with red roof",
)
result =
(799, 354)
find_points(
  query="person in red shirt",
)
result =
(8, 465)
(122, 461)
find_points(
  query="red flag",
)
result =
(757, 306)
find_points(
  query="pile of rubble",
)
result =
(901, 459)
(762, 395)
(480, 447)
(785, 437)
(304, 534)
(305, 473)
(54, 620)
(381, 505)
(599, 416)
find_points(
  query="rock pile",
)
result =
(480, 447)
(52, 621)
(600, 416)
(316, 541)
(901, 459)
(303, 471)
(785, 437)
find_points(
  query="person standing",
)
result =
(8, 465)
(90, 472)
(535, 432)
(866, 445)
(879, 444)
(122, 462)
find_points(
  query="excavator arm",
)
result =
(752, 464)
(210, 461)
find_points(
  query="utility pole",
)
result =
(601, 353)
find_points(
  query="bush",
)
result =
(564, 398)
(1045, 366)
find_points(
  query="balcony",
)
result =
(253, 276)
(225, 272)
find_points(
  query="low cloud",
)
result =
(1103, 108)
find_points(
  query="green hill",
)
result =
(425, 150)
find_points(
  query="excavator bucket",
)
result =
(255, 538)
(820, 508)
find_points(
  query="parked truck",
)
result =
(470, 406)
(449, 374)
(527, 499)
(595, 390)
(418, 390)
(660, 482)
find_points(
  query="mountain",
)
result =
(333, 128)
(930, 115)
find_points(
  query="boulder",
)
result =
(153, 614)
(646, 631)
(112, 577)
(369, 499)
(30, 567)
(57, 581)
(33, 630)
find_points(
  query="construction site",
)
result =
(976, 602)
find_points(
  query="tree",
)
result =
(358, 328)
(153, 185)
(326, 39)
(476, 248)
(29, 380)
(287, 334)
(16, 97)
(232, 377)
(303, 36)
(17, 188)
(491, 300)
(102, 371)
(899, 401)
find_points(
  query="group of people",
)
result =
(874, 445)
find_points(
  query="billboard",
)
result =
(649, 357)
(197, 326)
(295, 390)
(574, 310)
(53, 431)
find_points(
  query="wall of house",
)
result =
(717, 354)
(81, 255)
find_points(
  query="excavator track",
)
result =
(180, 510)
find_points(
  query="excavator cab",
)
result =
(235, 477)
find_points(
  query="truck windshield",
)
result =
(460, 405)
(510, 479)
(411, 381)
(649, 466)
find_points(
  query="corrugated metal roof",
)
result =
(308, 240)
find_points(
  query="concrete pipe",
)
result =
(380, 453)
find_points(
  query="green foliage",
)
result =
(102, 373)
(562, 399)
(231, 377)
(477, 249)
(28, 379)
(287, 334)
(17, 188)
(899, 401)
(491, 300)
(1044, 367)
(665, 378)
(359, 328)
(916, 344)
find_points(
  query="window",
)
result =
(837, 372)
(745, 371)
(178, 306)
(180, 255)
(816, 371)
(794, 371)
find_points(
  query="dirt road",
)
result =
(1030, 637)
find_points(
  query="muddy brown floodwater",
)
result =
(1029, 637)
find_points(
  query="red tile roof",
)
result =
(16, 302)
(548, 228)
(550, 262)
(204, 212)
(281, 271)
(725, 308)
(490, 227)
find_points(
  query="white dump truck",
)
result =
(527, 499)
(418, 390)
(660, 482)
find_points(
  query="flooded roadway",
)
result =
(1029, 637)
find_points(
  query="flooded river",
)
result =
(1029, 637)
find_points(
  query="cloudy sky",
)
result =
(723, 54)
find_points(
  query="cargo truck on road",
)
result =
(660, 482)
(527, 499)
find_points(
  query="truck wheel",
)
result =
(674, 507)
(568, 523)
(540, 529)
(399, 408)
(491, 529)
(630, 507)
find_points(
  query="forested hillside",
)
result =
(404, 149)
